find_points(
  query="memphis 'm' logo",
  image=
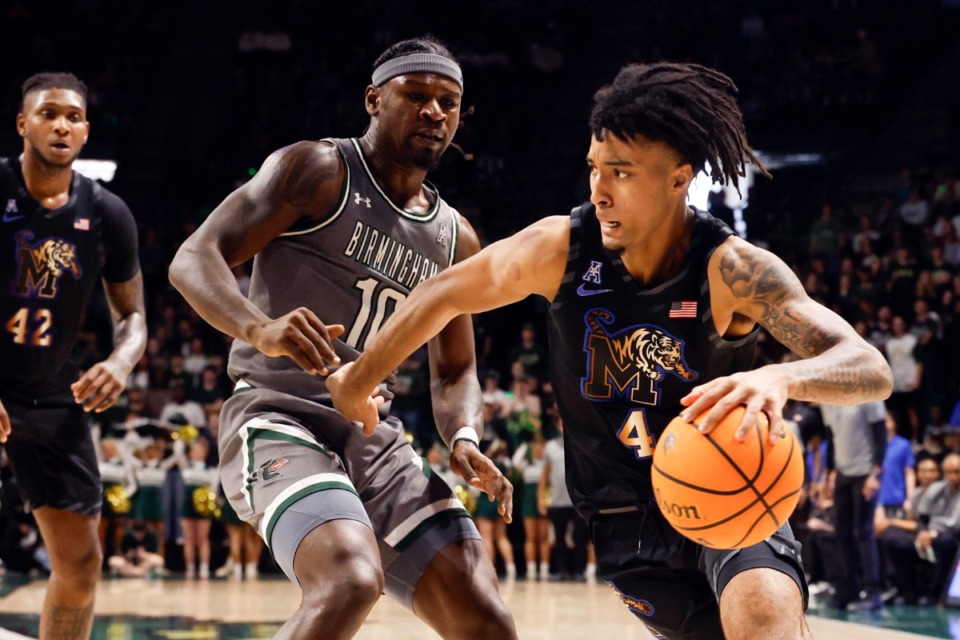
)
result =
(40, 266)
(633, 360)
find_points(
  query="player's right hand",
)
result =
(353, 404)
(301, 336)
(4, 423)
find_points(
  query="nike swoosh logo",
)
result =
(9, 218)
(583, 291)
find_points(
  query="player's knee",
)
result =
(762, 603)
(80, 569)
(487, 617)
(357, 586)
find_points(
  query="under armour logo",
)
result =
(357, 200)
(442, 236)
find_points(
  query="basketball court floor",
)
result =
(175, 609)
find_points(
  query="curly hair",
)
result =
(689, 107)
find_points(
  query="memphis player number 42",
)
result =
(31, 327)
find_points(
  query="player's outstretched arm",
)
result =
(837, 366)
(295, 183)
(529, 262)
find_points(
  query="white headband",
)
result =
(418, 63)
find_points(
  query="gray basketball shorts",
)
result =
(288, 465)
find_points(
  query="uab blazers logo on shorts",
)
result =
(269, 470)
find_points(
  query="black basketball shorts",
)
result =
(672, 584)
(51, 452)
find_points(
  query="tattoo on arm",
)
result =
(770, 285)
(302, 174)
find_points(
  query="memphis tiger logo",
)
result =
(40, 265)
(631, 362)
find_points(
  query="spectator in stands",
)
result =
(901, 277)
(914, 214)
(180, 410)
(528, 461)
(138, 556)
(569, 529)
(826, 237)
(898, 478)
(936, 541)
(859, 445)
(530, 353)
(907, 374)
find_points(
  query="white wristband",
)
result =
(465, 433)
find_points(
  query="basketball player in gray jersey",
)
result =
(341, 231)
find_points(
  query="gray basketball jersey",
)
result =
(351, 268)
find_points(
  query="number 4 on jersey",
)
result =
(634, 434)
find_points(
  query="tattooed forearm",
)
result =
(67, 623)
(848, 375)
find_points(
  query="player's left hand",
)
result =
(100, 387)
(870, 487)
(469, 463)
(759, 390)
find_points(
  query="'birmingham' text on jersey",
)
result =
(389, 257)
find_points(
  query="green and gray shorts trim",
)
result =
(288, 465)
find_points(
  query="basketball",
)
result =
(723, 493)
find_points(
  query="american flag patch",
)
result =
(683, 309)
(82, 223)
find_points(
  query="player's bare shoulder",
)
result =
(751, 275)
(306, 175)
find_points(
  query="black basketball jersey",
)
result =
(623, 355)
(49, 264)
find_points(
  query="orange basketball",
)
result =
(723, 493)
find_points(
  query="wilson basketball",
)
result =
(723, 493)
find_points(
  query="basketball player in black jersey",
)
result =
(655, 309)
(60, 234)
(341, 230)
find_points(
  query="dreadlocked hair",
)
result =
(689, 107)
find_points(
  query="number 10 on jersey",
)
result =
(378, 301)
